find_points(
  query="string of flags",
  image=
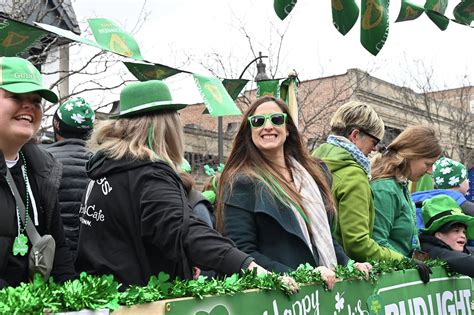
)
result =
(374, 23)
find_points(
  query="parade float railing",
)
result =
(392, 288)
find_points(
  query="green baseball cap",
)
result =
(145, 98)
(18, 75)
(442, 209)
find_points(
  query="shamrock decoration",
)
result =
(339, 302)
(209, 170)
(375, 304)
(220, 168)
(20, 245)
(218, 310)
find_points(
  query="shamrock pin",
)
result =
(20, 245)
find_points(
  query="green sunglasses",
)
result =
(258, 121)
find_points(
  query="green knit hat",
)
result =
(74, 118)
(442, 209)
(18, 75)
(448, 173)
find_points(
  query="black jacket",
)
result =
(73, 156)
(462, 262)
(45, 175)
(267, 230)
(136, 222)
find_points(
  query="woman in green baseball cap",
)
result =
(135, 217)
(446, 232)
(33, 172)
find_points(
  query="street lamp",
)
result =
(261, 75)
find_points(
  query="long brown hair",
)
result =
(415, 142)
(246, 159)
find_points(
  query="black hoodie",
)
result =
(136, 222)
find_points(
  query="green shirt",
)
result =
(355, 207)
(395, 223)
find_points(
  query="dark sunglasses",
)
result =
(377, 140)
(258, 121)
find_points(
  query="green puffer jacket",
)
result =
(355, 206)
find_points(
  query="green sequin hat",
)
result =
(441, 210)
(142, 98)
(18, 75)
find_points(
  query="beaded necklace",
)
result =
(20, 244)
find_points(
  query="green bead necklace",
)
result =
(20, 244)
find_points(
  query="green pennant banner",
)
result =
(409, 11)
(67, 34)
(16, 37)
(215, 96)
(111, 37)
(344, 15)
(435, 10)
(145, 72)
(284, 89)
(234, 86)
(464, 12)
(439, 19)
(283, 7)
(374, 25)
(268, 87)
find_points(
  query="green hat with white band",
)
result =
(145, 98)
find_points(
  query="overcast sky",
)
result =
(179, 29)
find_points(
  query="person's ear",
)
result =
(353, 135)
(438, 235)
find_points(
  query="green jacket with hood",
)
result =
(355, 205)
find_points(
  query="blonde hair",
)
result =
(415, 142)
(357, 115)
(128, 137)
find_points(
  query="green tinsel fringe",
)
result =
(99, 292)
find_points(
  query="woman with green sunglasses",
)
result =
(275, 200)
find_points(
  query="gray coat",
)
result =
(72, 154)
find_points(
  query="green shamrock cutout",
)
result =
(20, 245)
(376, 305)
(218, 310)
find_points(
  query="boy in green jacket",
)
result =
(356, 129)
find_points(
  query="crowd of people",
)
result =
(116, 196)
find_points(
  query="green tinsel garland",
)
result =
(99, 292)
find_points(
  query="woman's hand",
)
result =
(364, 267)
(328, 276)
(290, 283)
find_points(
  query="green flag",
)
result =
(234, 86)
(16, 37)
(435, 10)
(215, 96)
(268, 87)
(409, 11)
(464, 12)
(283, 7)
(344, 15)
(374, 25)
(145, 72)
(67, 34)
(111, 37)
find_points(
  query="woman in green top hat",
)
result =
(135, 218)
(446, 232)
